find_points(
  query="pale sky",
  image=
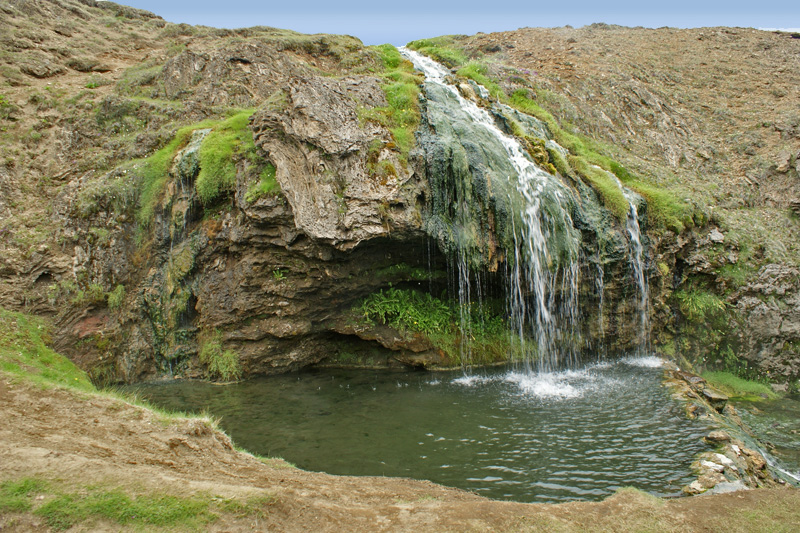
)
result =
(376, 22)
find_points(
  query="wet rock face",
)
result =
(324, 154)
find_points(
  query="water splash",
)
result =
(647, 361)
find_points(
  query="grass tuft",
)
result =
(222, 364)
(66, 510)
(477, 72)
(700, 306)
(441, 49)
(15, 496)
(266, 185)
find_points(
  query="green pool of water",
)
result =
(575, 435)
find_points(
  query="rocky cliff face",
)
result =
(108, 225)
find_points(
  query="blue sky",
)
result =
(376, 22)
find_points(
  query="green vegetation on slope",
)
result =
(26, 356)
(478, 73)
(63, 506)
(66, 509)
(401, 87)
(25, 353)
(441, 49)
(228, 140)
(665, 210)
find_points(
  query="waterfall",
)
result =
(542, 245)
(636, 258)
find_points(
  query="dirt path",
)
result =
(81, 439)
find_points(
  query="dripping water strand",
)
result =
(636, 259)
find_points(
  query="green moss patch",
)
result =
(737, 387)
(227, 139)
(266, 185)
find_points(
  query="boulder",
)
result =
(716, 437)
(715, 398)
(716, 236)
(782, 162)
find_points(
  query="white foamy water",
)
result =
(647, 361)
(545, 385)
(471, 381)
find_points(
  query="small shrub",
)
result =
(221, 364)
(699, 306)
(96, 81)
(7, 109)
(136, 78)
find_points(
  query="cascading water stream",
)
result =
(637, 266)
(544, 253)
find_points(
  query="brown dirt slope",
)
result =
(80, 440)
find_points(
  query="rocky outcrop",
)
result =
(327, 157)
(273, 276)
(768, 321)
(734, 464)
